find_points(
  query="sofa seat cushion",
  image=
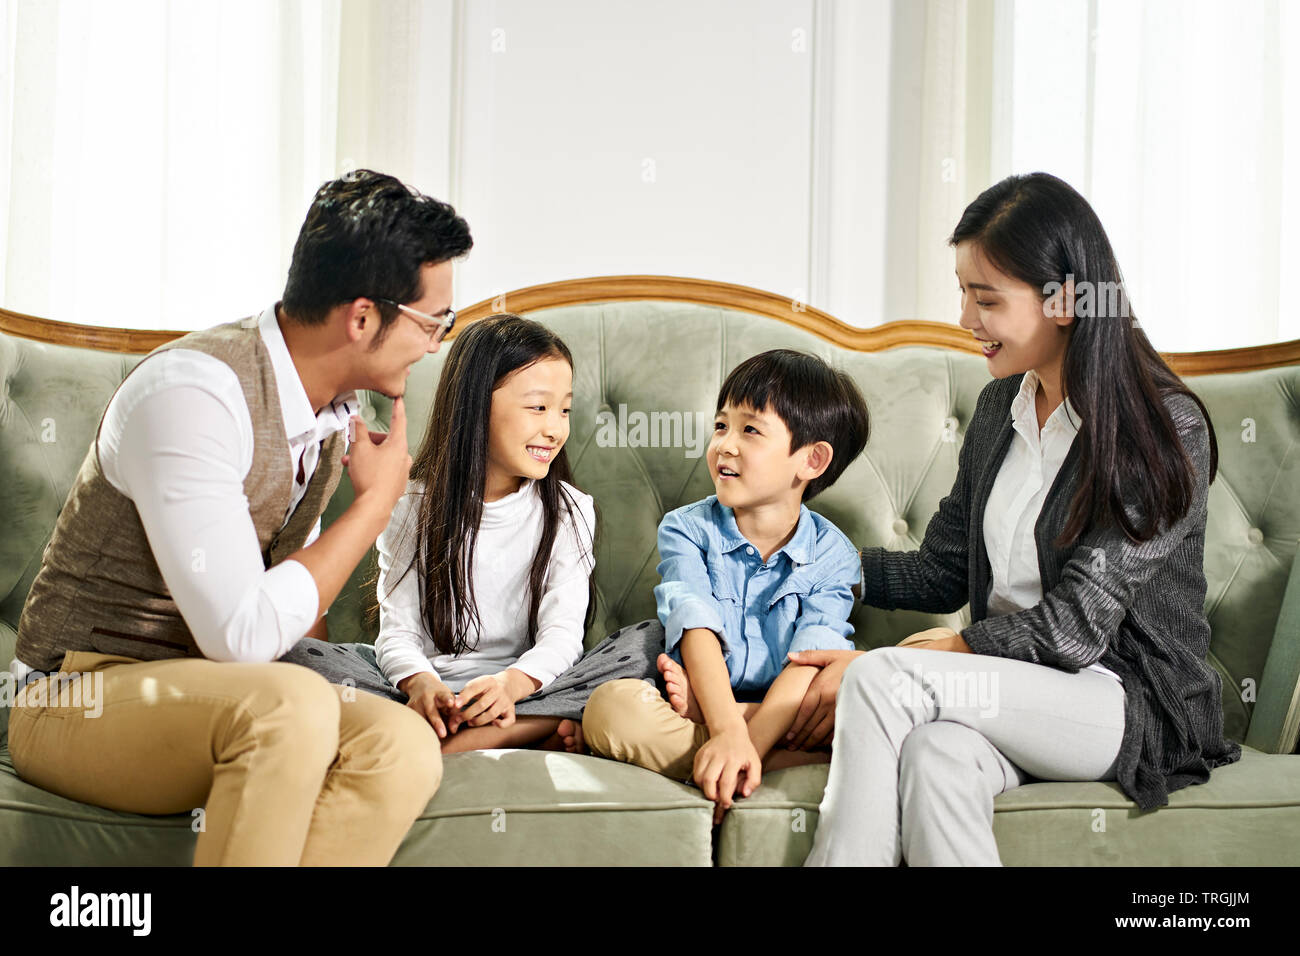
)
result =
(499, 807)
(530, 807)
(39, 828)
(1247, 815)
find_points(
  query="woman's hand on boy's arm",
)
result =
(814, 723)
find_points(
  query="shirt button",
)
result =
(749, 550)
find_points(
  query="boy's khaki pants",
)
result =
(629, 720)
(288, 768)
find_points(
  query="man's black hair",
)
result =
(367, 235)
(815, 401)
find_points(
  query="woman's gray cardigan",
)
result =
(1136, 609)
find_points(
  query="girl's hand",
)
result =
(485, 700)
(814, 723)
(725, 765)
(431, 699)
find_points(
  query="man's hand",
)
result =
(431, 699)
(379, 463)
(727, 764)
(814, 723)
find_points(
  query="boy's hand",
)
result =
(486, 700)
(725, 765)
(814, 723)
(431, 699)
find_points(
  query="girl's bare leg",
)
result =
(523, 732)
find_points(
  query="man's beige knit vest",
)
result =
(99, 588)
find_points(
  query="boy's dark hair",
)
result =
(367, 234)
(815, 401)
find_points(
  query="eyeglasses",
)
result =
(441, 324)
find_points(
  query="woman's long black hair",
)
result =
(1038, 229)
(452, 464)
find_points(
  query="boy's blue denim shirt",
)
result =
(711, 576)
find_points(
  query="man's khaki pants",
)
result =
(288, 768)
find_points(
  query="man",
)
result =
(189, 557)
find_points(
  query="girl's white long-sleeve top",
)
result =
(507, 540)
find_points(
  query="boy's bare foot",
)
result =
(679, 689)
(570, 732)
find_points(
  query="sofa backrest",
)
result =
(636, 360)
(644, 369)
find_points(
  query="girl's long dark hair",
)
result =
(1038, 229)
(452, 464)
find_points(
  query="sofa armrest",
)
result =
(8, 638)
(1275, 724)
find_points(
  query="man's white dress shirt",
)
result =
(177, 439)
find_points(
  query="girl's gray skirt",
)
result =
(628, 652)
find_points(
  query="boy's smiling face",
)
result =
(750, 461)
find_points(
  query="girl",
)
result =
(1074, 529)
(480, 634)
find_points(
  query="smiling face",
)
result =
(1017, 331)
(529, 425)
(388, 364)
(750, 461)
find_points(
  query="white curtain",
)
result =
(1179, 121)
(156, 157)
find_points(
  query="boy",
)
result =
(748, 575)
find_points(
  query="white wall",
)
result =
(603, 138)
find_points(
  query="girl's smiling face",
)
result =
(528, 426)
(1016, 329)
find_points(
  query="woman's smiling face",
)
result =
(1016, 330)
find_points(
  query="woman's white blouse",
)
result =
(508, 536)
(1022, 484)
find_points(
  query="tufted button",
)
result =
(1254, 536)
(900, 527)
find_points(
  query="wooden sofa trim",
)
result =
(596, 289)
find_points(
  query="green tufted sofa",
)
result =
(663, 345)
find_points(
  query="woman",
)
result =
(1075, 531)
